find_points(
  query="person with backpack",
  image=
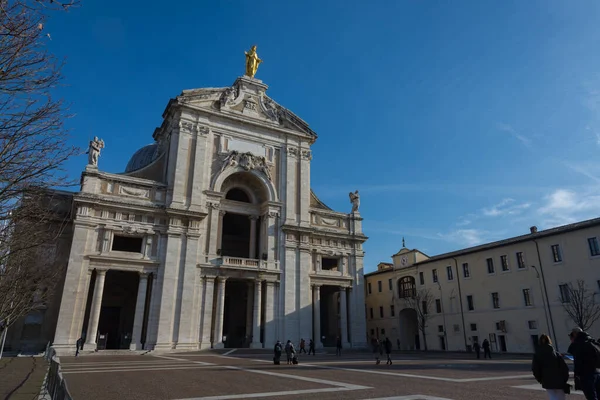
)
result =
(388, 350)
(586, 361)
(277, 353)
(550, 370)
(311, 347)
(486, 349)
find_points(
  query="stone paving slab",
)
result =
(208, 376)
(21, 378)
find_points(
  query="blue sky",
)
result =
(459, 122)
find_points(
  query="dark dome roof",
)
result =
(142, 158)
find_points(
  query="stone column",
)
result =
(249, 308)
(256, 344)
(271, 232)
(138, 319)
(220, 232)
(343, 316)
(270, 319)
(317, 315)
(218, 335)
(207, 313)
(252, 250)
(95, 309)
(213, 234)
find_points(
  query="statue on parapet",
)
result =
(94, 150)
(355, 200)
(252, 62)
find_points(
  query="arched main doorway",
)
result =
(409, 330)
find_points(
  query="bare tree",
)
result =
(580, 304)
(421, 302)
(33, 150)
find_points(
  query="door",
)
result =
(502, 340)
(536, 341)
(110, 318)
(417, 342)
(442, 343)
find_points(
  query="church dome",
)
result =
(142, 158)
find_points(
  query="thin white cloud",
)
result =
(567, 206)
(465, 237)
(586, 170)
(509, 129)
(504, 208)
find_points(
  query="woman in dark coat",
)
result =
(550, 369)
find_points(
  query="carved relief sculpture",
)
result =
(229, 96)
(355, 200)
(252, 62)
(94, 150)
(247, 161)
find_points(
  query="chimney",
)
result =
(533, 229)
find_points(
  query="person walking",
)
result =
(550, 369)
(311, 347)
(486, 349)
(477, 349)
(277, 350)
(302, 346)
(585, 352)
(376, 349)
(398, 343)
(289, 351)
(338, 346)
(388, 350)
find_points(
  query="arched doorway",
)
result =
(409, 330)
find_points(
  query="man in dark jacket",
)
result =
(486, 349)
(587, 376)
(550, 369)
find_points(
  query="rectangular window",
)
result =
(470, 304)
(380, 312)
(127, 243)
(520, 260)
(527, 297)
(421, 278)
(382, 331)
(372, 332)
(490, 265)
(424, 307)
(565, 295)
(466, 272)
(441, 328)
(379, 286)
(504, 263)
(434, 275)
(369, 287)
(371, 312)
(473, 327)
(449, 272)
(456, 327)
(438, 306)
(594, 247)
(556, 253)
(532, 324)
(391, 287)
(392, 311)
(495, 300)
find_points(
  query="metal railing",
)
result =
(55, 385)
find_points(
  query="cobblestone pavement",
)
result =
(21, 377)
(243, 375)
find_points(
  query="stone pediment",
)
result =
(246, 98)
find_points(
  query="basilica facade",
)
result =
(212, 237)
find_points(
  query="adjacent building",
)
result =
(211, 237)
(509, 292)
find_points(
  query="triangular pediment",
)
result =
(316, 203)
(247, 99)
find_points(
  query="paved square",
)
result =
(244, 374)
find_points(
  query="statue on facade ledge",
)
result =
(355, 200)
(94, 150)
(252, 62)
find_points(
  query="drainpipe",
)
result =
(546, 293)
(462, 313)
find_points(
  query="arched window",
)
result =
(237, 195)
(406, 287)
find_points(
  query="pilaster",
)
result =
(304, 184)
(290, 172)
(207, 312)
(317, 316)
(256, 314)
(358, 327)
(252, 250)
(138, 318)
(188, 331)
(270, 320)
(220, 309)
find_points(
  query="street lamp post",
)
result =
(543, 300)
(443, 315)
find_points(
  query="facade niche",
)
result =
(329, 264)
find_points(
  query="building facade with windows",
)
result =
(509, 292)
(212, 237)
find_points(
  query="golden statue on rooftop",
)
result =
(252, 62)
